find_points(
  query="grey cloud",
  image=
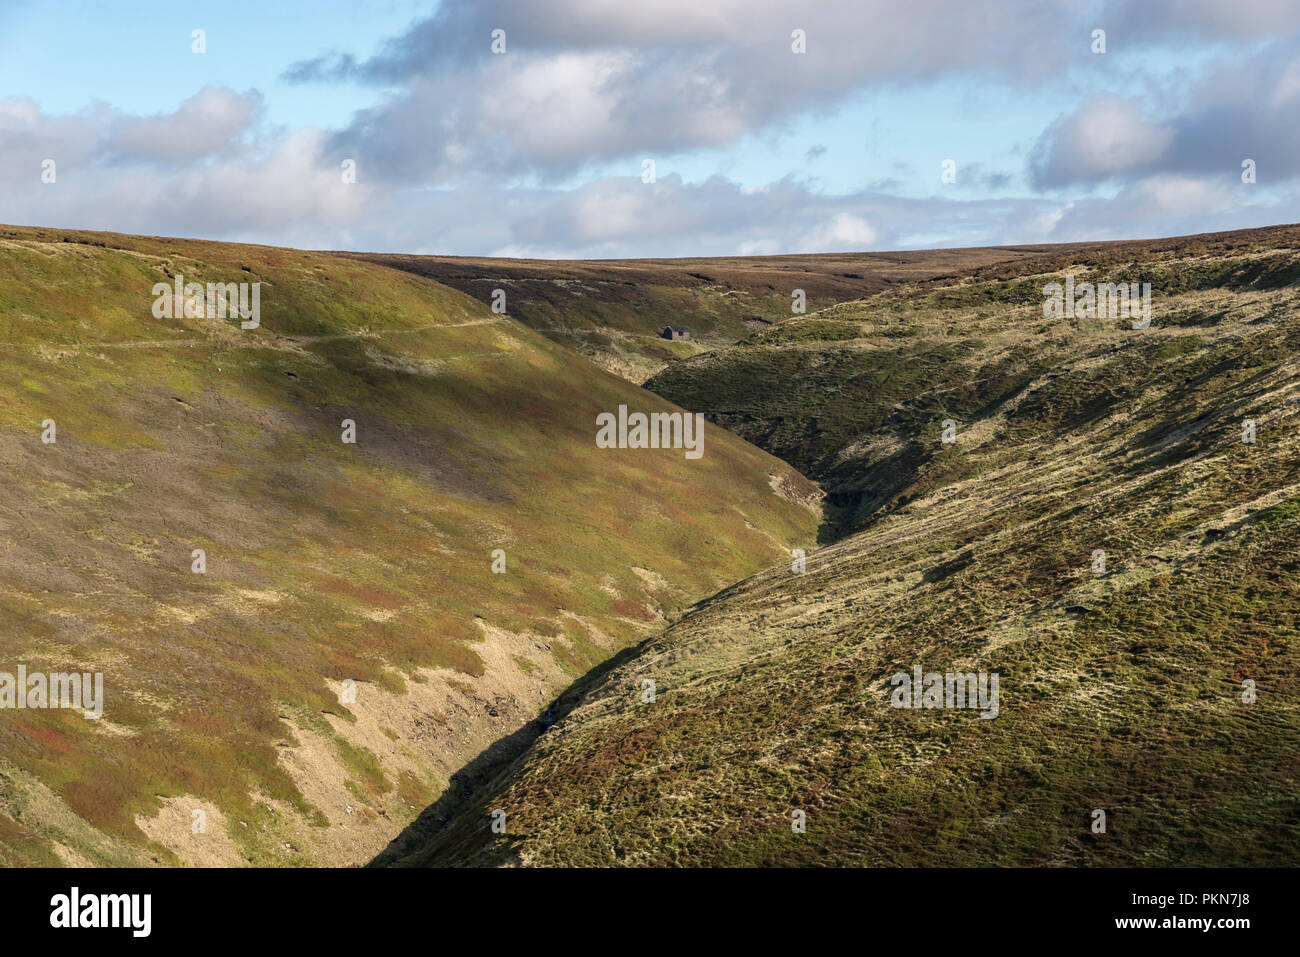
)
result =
(1106, 137)
(1240, 110)
(1145, 22)
(987, 179)
(1244, 110)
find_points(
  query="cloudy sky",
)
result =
(542, 150)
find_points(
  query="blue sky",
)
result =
(136, 54)
(538, 151)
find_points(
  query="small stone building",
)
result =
(676, 333)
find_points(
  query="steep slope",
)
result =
(1099, 535)
(613, 311)
(348, 643)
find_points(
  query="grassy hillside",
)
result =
(327, 563)
(848, 394)
(1120, 689)
(612, 311)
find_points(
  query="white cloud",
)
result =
(843, 232)
(1171, 204)
(585, 82)
(207, 123)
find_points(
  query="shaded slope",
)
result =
(326, 562)
(1120, 691)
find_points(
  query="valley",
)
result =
(458, 562)
(1112, 531)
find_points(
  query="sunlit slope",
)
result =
(1121, 689)
(326, 563)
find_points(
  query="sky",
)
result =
(623, 128)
